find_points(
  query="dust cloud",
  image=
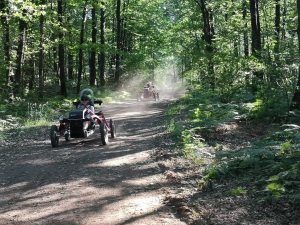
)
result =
(165, 79)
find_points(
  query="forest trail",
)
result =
(84, 183)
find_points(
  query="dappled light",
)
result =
(149, 112)
(128, 159)
(83, 182)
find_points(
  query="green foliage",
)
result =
(286, 149)
(212, 173)
(239, 191)
(276, 189)
(272, 161)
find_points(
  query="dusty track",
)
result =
(84, 183)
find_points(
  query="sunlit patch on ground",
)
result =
(146, 181)
(39, 161)
(140, 205)
(127, 159)
(55, 199)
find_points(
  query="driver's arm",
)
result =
(91, 109)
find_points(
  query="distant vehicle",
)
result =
(149, 92)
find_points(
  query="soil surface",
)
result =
(84, 183)
(138, 178)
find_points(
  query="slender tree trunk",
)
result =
(119, 43)
(296, 97)
(256, 39)
(246, 40)
(123, 26)
(80, 53)
(61, 50)
(298, 29)
(30, 72)
(94, 40)
(55, 63)
(277, 29)
(112, 60)
(6, 40)
(70, 66)
(101, 57)
(41, 54)
(208, 33)
(20, 57)
(283, 25)
(255, 25)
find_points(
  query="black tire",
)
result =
(112, 127)
(67, 136)
(85, 134)
(103, 134)
(54, 136)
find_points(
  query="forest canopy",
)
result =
(245, 47)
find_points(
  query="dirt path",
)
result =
(84, 183)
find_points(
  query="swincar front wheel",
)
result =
(54, 136)
(103, 134)
(112, 128)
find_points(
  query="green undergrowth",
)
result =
(268, 168)
(273, 162)
(200, 112)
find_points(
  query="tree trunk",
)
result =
(41, 55)
(61, 50)
(55, 63)
(246, 41)
(283, 16)
(20, 57)
(298, 30)
(112, 57)
(277, 29)
(6, 40)
(70, 66)
(256, 40)
(208, 35)
(119, 43)
(94, 40)
(30, 72)
(101, 57)
(80, 53)
(296, 97)
(255, 25)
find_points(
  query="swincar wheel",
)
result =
(103, 134)
(112, 128)
(67, 136)
(54, 136)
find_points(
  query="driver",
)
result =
(87, 102)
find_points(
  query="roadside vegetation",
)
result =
(246, 149)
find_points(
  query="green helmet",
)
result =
(87, 94)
